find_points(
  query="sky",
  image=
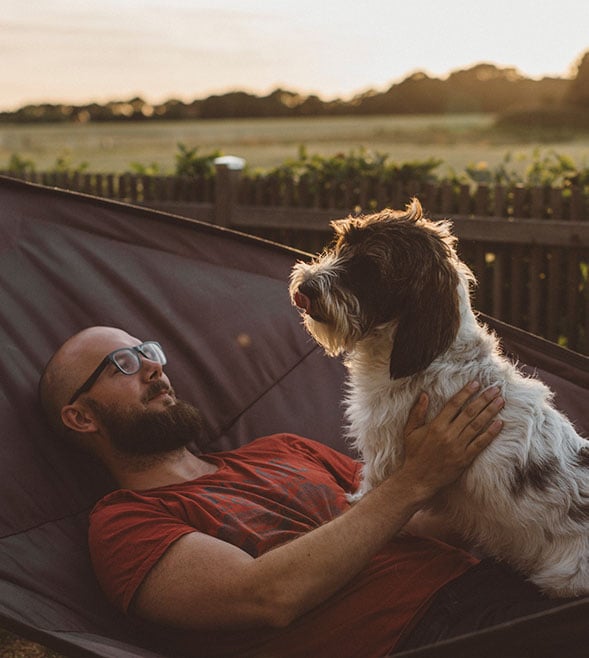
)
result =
(80, 51)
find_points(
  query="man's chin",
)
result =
(165, 424)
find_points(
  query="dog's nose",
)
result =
(308, 289)
(304, 295)
(302, 301)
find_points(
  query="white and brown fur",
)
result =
(392, 295)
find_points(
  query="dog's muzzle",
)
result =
(306, 297)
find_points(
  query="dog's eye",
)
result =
(362, 276)
(363, 270)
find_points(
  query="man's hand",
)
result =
(438, 452)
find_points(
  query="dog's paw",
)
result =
(354, 497)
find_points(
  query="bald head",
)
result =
(73, 363)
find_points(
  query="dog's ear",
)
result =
(428, 326)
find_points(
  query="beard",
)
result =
(141, 432)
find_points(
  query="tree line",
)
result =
(481, 88)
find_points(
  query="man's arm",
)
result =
(203, 582)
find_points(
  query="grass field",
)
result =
(459, 140)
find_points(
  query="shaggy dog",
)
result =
(393, 296)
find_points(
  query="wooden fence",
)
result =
(529, 247)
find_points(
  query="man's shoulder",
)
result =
(118, 496)
(123, 502)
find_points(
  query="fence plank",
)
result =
(554, 306)
(574, 291)
(498, 279)
(576, 204)
(516, 289)
(535, 302)
(537, 204)
(464, 200)
(555, 203)
(519, 199)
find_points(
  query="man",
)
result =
(257, 551)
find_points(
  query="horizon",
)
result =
(74, 52)
(264, 93)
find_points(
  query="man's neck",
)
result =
(151, 471)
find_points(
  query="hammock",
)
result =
(217, 300)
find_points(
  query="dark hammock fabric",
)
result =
(218, 302)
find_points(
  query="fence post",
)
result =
(228, 171)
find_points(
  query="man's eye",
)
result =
(120, 367)
(126, 363)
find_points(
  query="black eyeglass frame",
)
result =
(110, 358)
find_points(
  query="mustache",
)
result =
(157, 387)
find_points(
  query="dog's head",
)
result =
(390, 268)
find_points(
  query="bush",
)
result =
(64, 165)
(545, 123)
(354, 166)
(546, 169)
(189, 163)
(20, 166)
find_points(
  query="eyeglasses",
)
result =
(127, 360)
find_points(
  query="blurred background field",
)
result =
(459, 140)
(12, 646)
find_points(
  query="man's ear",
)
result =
(77, 418)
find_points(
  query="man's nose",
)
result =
(151, 369)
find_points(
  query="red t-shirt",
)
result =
(262, 495)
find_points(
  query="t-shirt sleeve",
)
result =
(126, 539)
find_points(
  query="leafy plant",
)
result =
(549, 169)
(152, 169)
(503, 174)
(64, 165)
(19, 165)
(189, 163)
(352, 167)
(555, 170)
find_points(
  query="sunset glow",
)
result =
(81, 50)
